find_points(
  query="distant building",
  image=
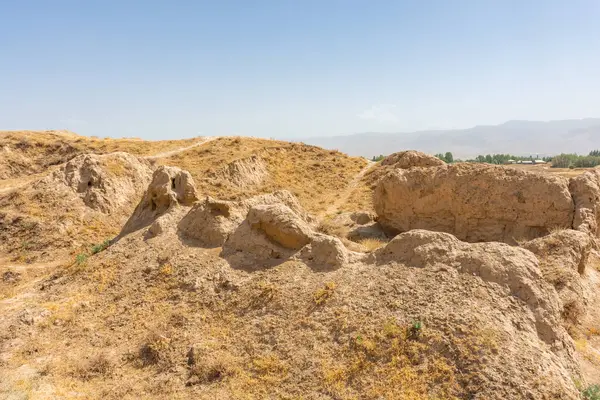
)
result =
(539, 162)
(510, 161)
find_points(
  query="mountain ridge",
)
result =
(519, 137)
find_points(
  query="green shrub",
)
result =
(591, 392)
(97, 248)
(81, 258)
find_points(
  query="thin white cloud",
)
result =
(382, 113)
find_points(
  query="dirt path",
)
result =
(343, 197)
(11, 184)
(204, 140)
(15, 183)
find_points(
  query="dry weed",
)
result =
(154, 349)
(205, 368)
(324, 294)
(372, 244)
(98, 366)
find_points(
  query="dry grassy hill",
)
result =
(232, 168)
(48, 212)
(30, 152)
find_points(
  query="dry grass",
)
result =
(98, 366)
(324, 294)
(372, 244)
(397, 363)
(313, 174)
(361, 198)
(592, 331)
(328, 227)
(32, 152)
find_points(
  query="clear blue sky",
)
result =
(161, 69)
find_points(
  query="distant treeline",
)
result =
(448, 157)
(559, 161)
(576, 161)
(502, 158)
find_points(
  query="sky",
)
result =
(294, 69)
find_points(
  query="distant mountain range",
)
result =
(521, 138)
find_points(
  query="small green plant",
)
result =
(591, 392)
(97, 248)
(81, 259)
(415, 329)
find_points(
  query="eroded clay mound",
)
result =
(104, 182)
(211, 221)
(585, 190)
(410, 159)
(474, 202)
(170, 187)
(563, 256)
(511, 267)
(244, 173)
(276, 231)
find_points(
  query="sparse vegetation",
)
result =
(99, 366)
(97, 248)
(36, 151)
(154, 349)
(372, 244)
(324, 294)
(500, 159)
(290, 166)
(576, 161)
(591, 392)
(447, 157)
(81, 259)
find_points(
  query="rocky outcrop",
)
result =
(170, 187)
(104, 182)
(411, 158)
(474, 202)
